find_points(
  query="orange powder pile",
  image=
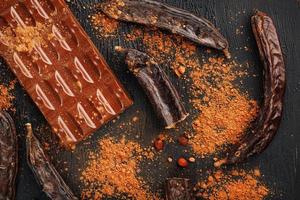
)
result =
(105, 26)
(114, 171)
(224, 111)
(237, 185)
(6, 98)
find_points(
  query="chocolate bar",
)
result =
(178, 189)
(60, 68)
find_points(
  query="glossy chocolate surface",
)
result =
(67, 78)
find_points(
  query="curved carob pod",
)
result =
(45, 173)
(8, 157)
(159, 89)
(265, 127)
(175, 20)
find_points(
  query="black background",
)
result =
(280, 163)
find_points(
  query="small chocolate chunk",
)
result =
(178, 189)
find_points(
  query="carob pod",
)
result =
(8, 157)
(159, 89)
(178, 189)
(45, 173)
(175, 20)
(268, 121)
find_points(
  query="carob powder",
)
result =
(6, 97)
(225, 112)
(104, 26)
(235, 185)
(114, 171)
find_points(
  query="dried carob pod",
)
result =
(45, 173)
(268, 121)
(178, 189)
(156, 84)
(175, 20)
(8, 157)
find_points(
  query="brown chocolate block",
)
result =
(60, 67)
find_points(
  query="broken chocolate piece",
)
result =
(60, 68)
(159, 89)
(178, 189)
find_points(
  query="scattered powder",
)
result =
(175, 50)
(24, 39)
(114, 171)
(236, 185)
(6, 98)
(224, 111)
(105, 26)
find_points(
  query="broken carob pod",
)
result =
(175, 20)
(178, 189)
(8, 157)
(266, 125)
(159, 89)
(45, 173)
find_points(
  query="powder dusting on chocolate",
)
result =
(25, 39)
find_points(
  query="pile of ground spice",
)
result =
(105, 26)
(114, 171)
(25, 39)
(237, 185)
(224, 111)
(6, 98)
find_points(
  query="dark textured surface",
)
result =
(280, 163)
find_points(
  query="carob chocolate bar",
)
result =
(60, 68)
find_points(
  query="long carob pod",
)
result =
(8, 157)
(175, 20)
(159, 89)
(45, 173)
(265, 127)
